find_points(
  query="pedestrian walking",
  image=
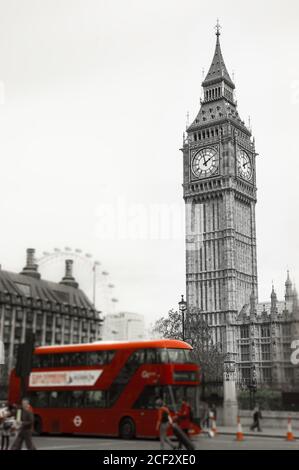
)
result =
(214, 411)
(163, 424)
(8, 425)
(24, 433)
(184, 417)
(257, 416)
(202, 412)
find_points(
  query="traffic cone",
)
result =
(290, 435)
(240, 435)
(214, 427)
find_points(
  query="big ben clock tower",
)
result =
(220, 196)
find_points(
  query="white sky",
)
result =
(94, 96)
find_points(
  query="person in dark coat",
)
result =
(257, 416)
(25, 430)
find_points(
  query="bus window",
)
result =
(77, 399)
(178, 395)
(110, 356)
(39, 399)
(137, 358)
(97, 358)
(151, 356)
(180, 356)
(95, 399)
(148, 398)
(59, 399)
(53, 400)
(61, 360)
(43, 360)
(162, 356)
(36, 361)
(181, 392)
(78, 359)
(176, 355)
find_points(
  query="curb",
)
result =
(248, 434)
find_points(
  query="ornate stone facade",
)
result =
(264, 335)
(219, 187)
(58, 313)
(220, 195)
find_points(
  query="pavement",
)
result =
(203, 442)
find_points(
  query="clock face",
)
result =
(244, 165)
(204, 162)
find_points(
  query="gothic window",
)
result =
(245, 372)
(265, 331)
(287, 351)
(245, 352)
(289, 374)
(286, 329)
(195, 137)
(265, 352)
(244, 331)
(266, 374)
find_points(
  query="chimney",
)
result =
(31, 268)
(68, 278)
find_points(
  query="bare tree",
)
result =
(199, 335)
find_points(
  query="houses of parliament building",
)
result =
(219, 189)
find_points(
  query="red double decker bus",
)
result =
(108, 388)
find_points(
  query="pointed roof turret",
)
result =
(273, 301)
(288, 286)
(218, 70)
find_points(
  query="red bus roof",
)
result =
(112, 345)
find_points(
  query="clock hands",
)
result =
(207, 161)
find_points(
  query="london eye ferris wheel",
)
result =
(92, 277)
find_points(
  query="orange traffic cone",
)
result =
(290, 435)
(240, 435)
(214, 427)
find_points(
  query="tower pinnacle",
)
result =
(218, 72)
(217, 28)
(288, 286)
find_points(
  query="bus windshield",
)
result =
(175, 356)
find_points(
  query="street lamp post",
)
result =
(182, 309)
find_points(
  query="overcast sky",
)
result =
(94, 97)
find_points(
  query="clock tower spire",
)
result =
(220, 195)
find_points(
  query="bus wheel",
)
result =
(37, 426)
(127, 428)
